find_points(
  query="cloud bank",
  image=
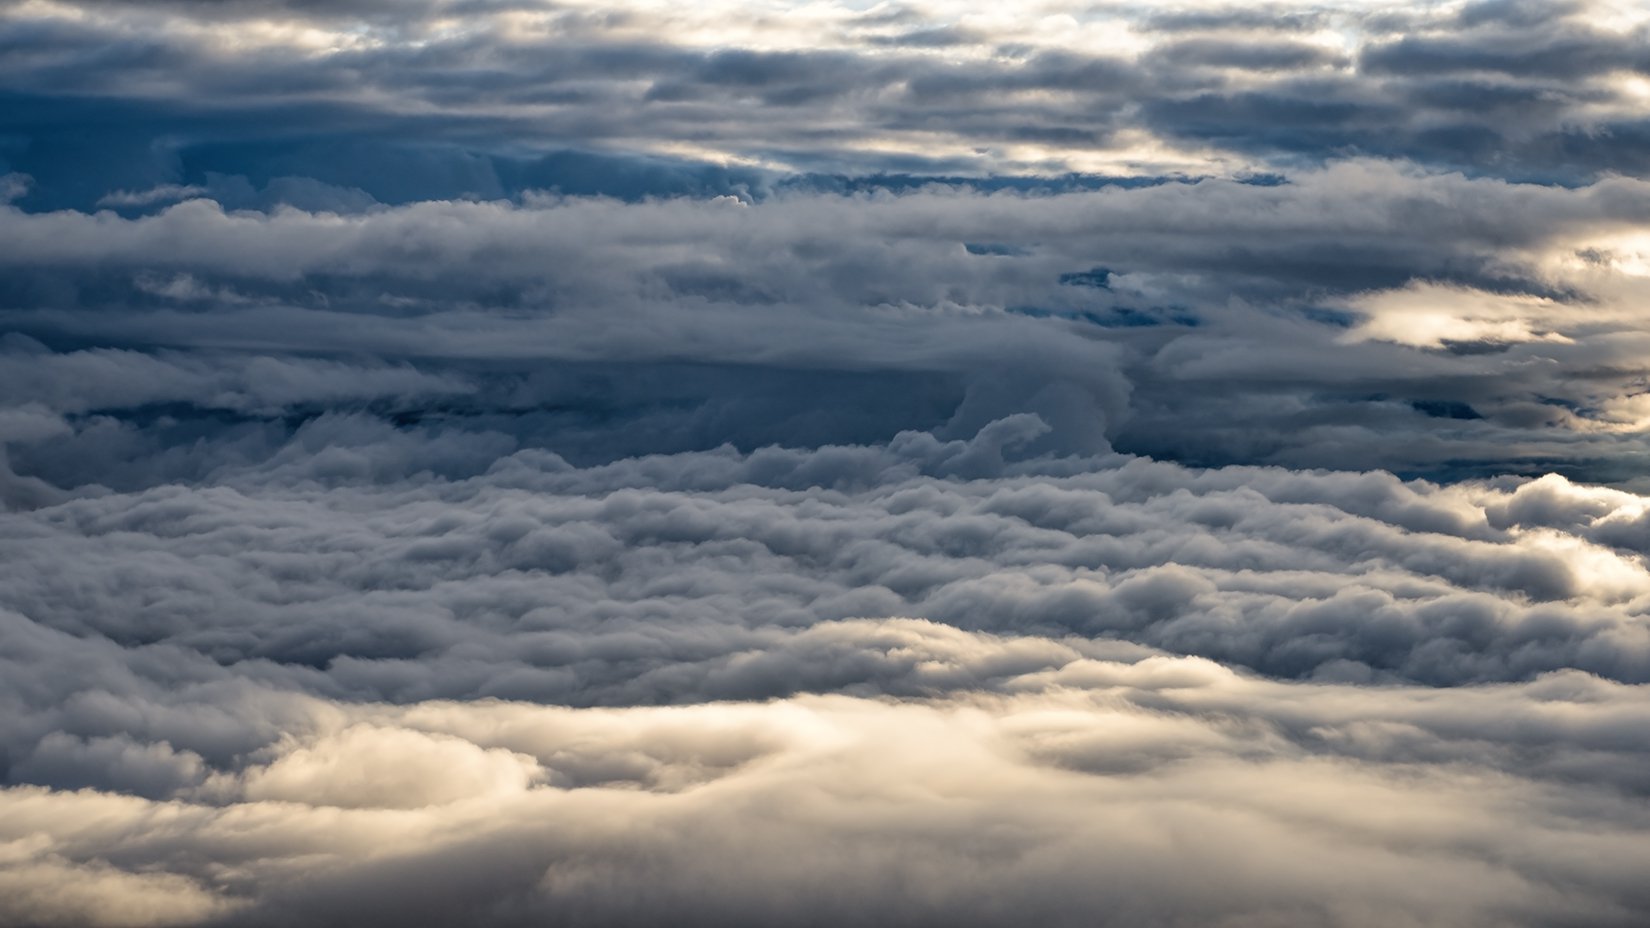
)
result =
(401, 100)
(510, 463)
(688, 688)
(1214, 322)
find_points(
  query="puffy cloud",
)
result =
(703, 576)
(926, 682)
(389, 768)
(1216, 322)
(292, 559)
(1086, 793)
(504, 463)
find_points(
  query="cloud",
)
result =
(1302, 323)
(460, 98)
(412, 674)
(955, 809)
(508, 463)
(705, 576)
(160, 194)
(1430, 316)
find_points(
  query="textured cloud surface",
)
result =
(1218, 321)
(690, 688)
(512, 463)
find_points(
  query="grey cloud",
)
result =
(1234, 17)
(291, 693)
(565, 322)
(642, 815)
(579, 81)
(1566, 53)
(1246, 56)
(649, 579)
(513, 464)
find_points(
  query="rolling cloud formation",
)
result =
(515, 463)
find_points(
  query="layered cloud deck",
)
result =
(745, 463)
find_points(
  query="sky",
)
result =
(518, 463)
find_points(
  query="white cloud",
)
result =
(637, 463)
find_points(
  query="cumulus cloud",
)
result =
(1215, 322)
(721, 687)
(509, 463)
(1084, 792)
(649, 579)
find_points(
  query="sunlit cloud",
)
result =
(747, 463)
(1431, 316)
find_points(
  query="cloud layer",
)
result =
(742, 463)
(642, 692)
(405, 100)
(1214, 322)
(936, 812)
